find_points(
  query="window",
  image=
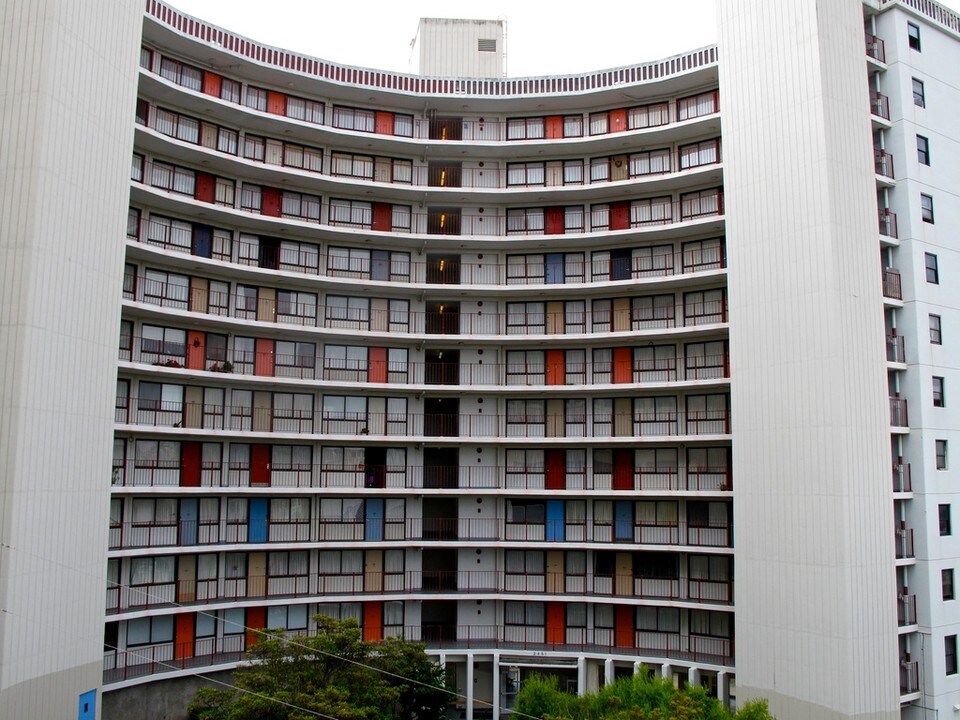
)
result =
(943, 513)
(936, 338)
(306, 110)
(697, 105)
(256, 99)
(946, 583)
(153, 630)
(926, 208)
(923, 150)
(913, 40)
(950, 654)
(933, 273)
(349, 212)
(938, 394)
(919, 98)
(941, 454)
(354, 119)
(300, 206)
(525, 128)
(702, 153)
(299, 308)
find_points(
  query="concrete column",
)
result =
(496, 686)
(469, 686)
(581, 675)
(608, 673)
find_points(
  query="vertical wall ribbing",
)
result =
(816, 620)
(67, 92)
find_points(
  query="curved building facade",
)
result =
(495, 364)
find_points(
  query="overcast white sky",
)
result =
(543, 37)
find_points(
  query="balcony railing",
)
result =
(883, 163)
(875, 48)
(120, 665)
(888, 224)
(909, 677)
(186, 593)
(206, 416)
(901, 478)
(898, 412)
(895, 348)
(880, 105)
(155, 473)
(906, 610)
(891, 284)
(188, 533)
(904, 543)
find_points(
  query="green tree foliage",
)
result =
(334, 673)
(640, 697)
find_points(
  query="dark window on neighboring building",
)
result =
(938, 394)
(919, 97)
(923, 150)
(913, 36)
(926, 208)
(933, 274)
(950, 654)
(936, 338)
(943, 512)
(941, 454)
(946, 583)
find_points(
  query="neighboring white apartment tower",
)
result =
(462, 48)
(67, 88)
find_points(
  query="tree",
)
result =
(640, 697)
(333, 672)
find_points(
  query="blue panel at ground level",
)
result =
(87, 709)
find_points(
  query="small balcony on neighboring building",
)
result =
(906, 610)
(898, 412)
(891, 284)
(909, 677)
(880, 106)
(904, 543)
(883, 163)
(895, 347)
(875, 48)
(888, 224)
(901, 478)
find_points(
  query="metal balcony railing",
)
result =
(891, 284)
(875, 48)
(895, 347)
(901, 478)
(898, 412)
(888, 224)
(880, 105)
(883, 163)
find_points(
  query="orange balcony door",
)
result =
(373, 621)
(623, 626)
(554, 221)
(622, 365)
(382, 217)
(206, 188)
(554, 127)
(618, 120)
(378, 365)
(256, 620)
(211, 84)
(556, 469)
(190, 463)
(183, 636)
(556, 368)
(619, 215)
(384, 122)
(260, 465)
(196, 350)
(276, 103)
(556, 622)
(263, 357)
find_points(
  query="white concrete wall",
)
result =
(68, 79)
(816, 622)
(448, 47)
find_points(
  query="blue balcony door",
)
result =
(373, 520)
(554, 269)
(623, 520)
(379, 265)
(202, 240)
(554, 529)
(257, 529)
(188, 521)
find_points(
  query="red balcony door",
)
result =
(623, 626)
(372, 621)
(556, 469)
(206, 188)
(183, 636)
(256, 620)
(618, 120)
(554, 220)
(556, 367)
(623, 469)
(382, 217)
(260, 465)
(263, 357)
(276, 103)
(554, 127)
(211, 84)
(622, 365)
(196, 350)
(556, 621)
(191, 454)
(384, 123)
(270, 201)
(619, 215)
(378, 365)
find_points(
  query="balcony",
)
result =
(895, 348)
(883, 163)
(875, 48)
(906, 610)
(904, 543)
(891, 284)
(898, 412)
(888, 224)
(909, 677)
(880, 105)
(901, 478)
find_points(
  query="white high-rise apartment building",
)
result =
(561, 374)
